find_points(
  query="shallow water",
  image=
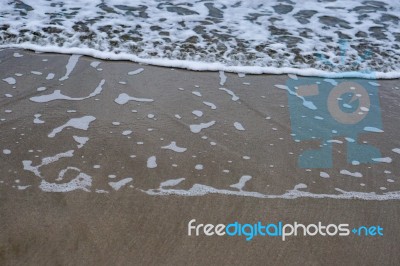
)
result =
(167, 131)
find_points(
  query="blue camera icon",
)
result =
(325, 109)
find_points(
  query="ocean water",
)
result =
(331, 38)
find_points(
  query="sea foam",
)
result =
(303, 38)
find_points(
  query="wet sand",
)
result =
(102, 223)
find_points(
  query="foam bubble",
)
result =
(78, 123)
(238, 126)
(123, 98)
(172, 146)
(72, 61)
(57, 95)
(197, 128)
(10, 80)
(242, 182)
(119, 184)
(135, 72)
(152, 162)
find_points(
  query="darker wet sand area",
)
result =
(106, 162)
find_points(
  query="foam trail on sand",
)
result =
(197, 128)
(231, 93)
(78, 123)
(152, 162)
(70, 66)
(242, 182)
(135, 72)
(201, 190)
(81, 182)
(222, 78)
(172, 146)
(123, 98)
(119, 184)
(10, 80)
(57, 95)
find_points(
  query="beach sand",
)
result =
(104, 221)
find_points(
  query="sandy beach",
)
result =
(106, 162)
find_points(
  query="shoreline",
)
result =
(205, 66)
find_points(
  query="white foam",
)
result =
(6, 151)
(306, 103)
(171, 182)
(197, 93)
(201, 190)
(238, 126)
(222, 78)
(396, 150)
(57, 95)
(205, 66)
(95, 64)
(152, 162)
(45, 161)
(374, 84)
(197, 128)
(119, 184)
(81, 182)
(239, 51)
(211, 105)
(355, 174)
(331, 81)
(36, 73)
(123, 98)
(81, 141)
(231, 93)
(19, 187)
(324, 175)
(135, 72)
(17, 55)
(78, 123)
(101, 191)
(242, 182)
(383, 160)
(197, 113)
(172, 146)
(10, 80)
(126, 132)
(199, 167)
(50, 76)
(37, 119)
(373, 129)
(70, 66)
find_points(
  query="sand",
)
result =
(120, 223)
